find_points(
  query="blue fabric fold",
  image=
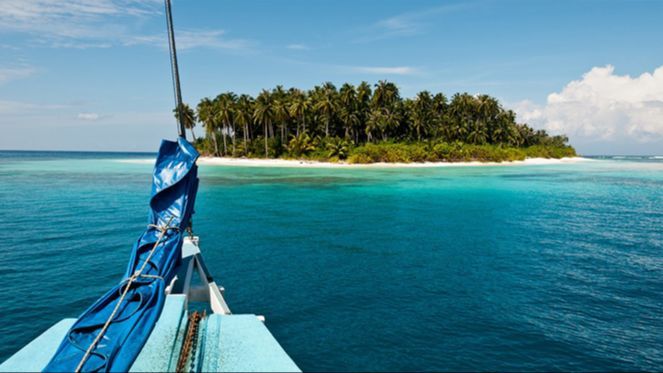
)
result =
(174, 187)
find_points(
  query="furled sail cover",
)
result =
(174, 187)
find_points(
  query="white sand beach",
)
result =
(258, 162)
(248, 162)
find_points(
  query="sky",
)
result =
(95, 74)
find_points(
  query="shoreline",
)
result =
(291, 163)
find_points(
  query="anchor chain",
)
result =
(190, 344)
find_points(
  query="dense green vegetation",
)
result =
(366, 124)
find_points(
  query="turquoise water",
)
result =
(555, 267)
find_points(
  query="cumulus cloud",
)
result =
(603, 107)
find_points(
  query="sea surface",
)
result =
(516, 268)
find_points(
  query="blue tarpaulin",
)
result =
(174, 187)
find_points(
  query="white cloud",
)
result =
(399, 25)
(73, 19)
(383, 70)
(27, 11)
(13, 73)
(22, 108)
(83, 24)
(189, 39)
(88, 116)
(408, 23)
(57, 130)
(603, 107)
(297, 46)
(11, 107)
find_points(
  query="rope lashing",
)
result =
(151, 276)
(163, 229)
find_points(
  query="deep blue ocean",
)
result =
(516, 268)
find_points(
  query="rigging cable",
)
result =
(175, 71)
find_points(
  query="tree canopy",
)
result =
(351, 116)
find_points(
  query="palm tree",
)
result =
(477, 133)
(206, 115)
(244, 115)
(348, 111)
(440, 118)
(338, 148)
(301, 144)
(422, 113)
(363, 105)
(463, 112)
(233, 107)
(298, 108)
(188, 118)
(278, 92)
(385, 94)
(513, 136)
(500, 131)
(278, 95)
(390, 123)
(348, 96)
(382, 120)
(487, 111)
(363, 93)
(374, 123)
(224, 114)
(440, 103)
(327, 105)
(281, 115)
(350, 120)
(264, 114)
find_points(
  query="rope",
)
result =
(163, 229)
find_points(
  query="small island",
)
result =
(365, 124)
